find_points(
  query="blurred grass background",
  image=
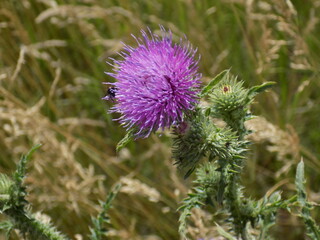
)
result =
(52, 64)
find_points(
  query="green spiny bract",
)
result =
(208, 177)
(228, 96)
(230, 102)
(198, 137)
(189, 145)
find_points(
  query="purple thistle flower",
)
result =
(157, 82)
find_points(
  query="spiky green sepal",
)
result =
(230, 103)
(189, 145)
(199, 137)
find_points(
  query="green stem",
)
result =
(233, 189)
(244, 234)
(235, 204)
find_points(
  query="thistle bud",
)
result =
(230, 102)
(228, 97)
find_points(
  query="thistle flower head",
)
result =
(157, 82)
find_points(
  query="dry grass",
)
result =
(52, 59)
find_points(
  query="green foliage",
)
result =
(262, 40)
(224, 233)
(219, 179)
(14, 205)
(5, 187)
(194, 200)
(205, 192)
(20, 173)
(7, 226)
(230, 103)
(220, 77)
(258, 89)
(18, 191)
(228, 97)
(300, 182)
(98, 231)
(201, 138)
(313, 229)
(267, 208)
(189, 146)
(208, 177)
(32, 228)
(129, 137)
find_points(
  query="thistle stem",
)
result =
(244, 234)
(233, 193)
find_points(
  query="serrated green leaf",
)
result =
(129, 137)
(313, 231)
(232, 171)
(207, 112)
(260, 88)
(189, 172)
(7, 226)
(194, 200)
(214, 82)
(5, 186)
(4, 197)
(98, 230)
(275, 197)
(223, 233)
(300, 181)
(22, 165)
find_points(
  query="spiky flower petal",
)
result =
(157, 82)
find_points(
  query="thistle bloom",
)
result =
(156, 83)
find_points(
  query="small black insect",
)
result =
(228, 144)
(111, 93)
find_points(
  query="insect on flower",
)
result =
(157, 82)
(111, 94)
